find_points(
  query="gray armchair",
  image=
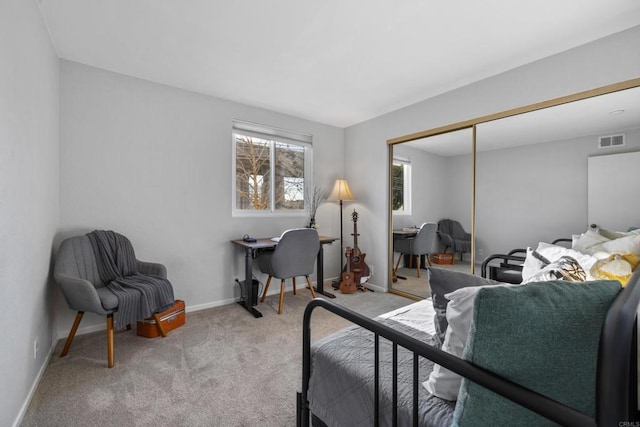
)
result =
(420, 244)
(453, 236)
(295, 255)
(76, 271)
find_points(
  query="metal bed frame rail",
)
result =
(512, 255)
(616, 389)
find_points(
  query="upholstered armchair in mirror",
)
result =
(454, 237)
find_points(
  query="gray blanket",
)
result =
(341, 384)
(139, 295)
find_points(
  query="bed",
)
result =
(377, 372)
(507, 267)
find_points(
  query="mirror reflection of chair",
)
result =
(421, 243)
(453, 236)
(76, 271)
(294, 256)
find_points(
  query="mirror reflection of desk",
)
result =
(404, 233)
(249, 293)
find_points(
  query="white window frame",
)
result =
(272, 134)
(406, 186)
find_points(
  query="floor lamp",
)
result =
(340, 193)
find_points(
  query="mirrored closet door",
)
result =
(512, 179)
(430, 180)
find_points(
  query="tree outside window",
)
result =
(269, 174)
(401, 187)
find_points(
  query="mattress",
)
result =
(341, 389)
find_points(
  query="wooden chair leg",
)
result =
(428, 258)
(110, 340)
(266, 288)
(395, 270)
(159, 325)
(281, 296)
(313, 294)
(418, 266)
(72, 334)
(293, 279)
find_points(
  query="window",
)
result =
(272, 170)
(401, 187)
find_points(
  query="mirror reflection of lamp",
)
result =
(340, 193)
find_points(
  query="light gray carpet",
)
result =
(223, 368)
(419, 286)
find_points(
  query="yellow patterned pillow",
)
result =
(615, 267)
(632, 259)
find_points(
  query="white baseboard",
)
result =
(34, 386)
(213, 304)
(376, 287)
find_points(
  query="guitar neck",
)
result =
(355, 235)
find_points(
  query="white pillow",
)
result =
(624, 245)
(611, 234)
(442, 382)
(589, 238)
(552, 253)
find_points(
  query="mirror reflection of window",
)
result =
(401, 187)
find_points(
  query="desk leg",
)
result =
(247, 297)
(320, 275)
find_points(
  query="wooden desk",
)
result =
(248, 297)
(402, 233)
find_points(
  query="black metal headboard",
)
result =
(617, 360)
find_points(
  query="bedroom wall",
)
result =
(154, 163)
(575, 70)
(29, 108)
(547, 194)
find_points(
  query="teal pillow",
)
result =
(544, 336)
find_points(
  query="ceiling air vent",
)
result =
(611, 141)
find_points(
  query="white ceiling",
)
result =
(338, 62)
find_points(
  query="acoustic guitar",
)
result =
(358, 265)
(348, 284)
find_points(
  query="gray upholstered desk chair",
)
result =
(420, 244)
(295, 255)
(76, 271)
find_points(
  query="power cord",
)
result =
(260, 287)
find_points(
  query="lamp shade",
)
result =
(340, 192)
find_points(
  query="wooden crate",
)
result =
(442, 258)
(171, 318)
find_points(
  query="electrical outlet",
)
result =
(480, 253)
(371, 270)
(35, 348)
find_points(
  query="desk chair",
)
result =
(295, 255)
(76, 271)
(420, 244)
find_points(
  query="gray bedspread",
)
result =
(341, 386)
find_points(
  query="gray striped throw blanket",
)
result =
(139, 295)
